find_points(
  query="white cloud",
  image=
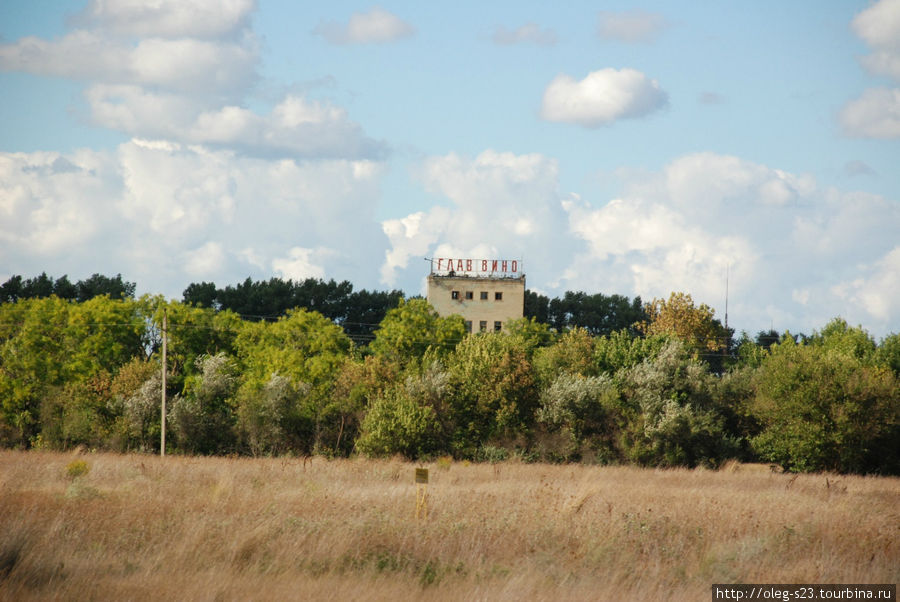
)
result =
(631, 26)
(51, 204)
(295, 127)
(206, 261)
(411, 237)
(794, 251)
(879, 25)
(169, 18)
(883, 62)
(879, 291)
(185, 81)
(300, 264)
(530, 33)
(875, 114)
(717, 189)
(166, 214)
(653, 249)
(374, 27)
(602, 97)
(503, 204)
(201, 67)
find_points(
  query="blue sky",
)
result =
(617, 147)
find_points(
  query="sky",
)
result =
(746, 152)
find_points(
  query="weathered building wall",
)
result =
(485, 303)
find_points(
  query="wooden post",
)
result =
(162, 434)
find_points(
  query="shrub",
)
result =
(824, 407)
(672, 417)
(77, 468)
(202, 419)
(580, 413)
(271, 419)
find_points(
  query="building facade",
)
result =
(486, 301)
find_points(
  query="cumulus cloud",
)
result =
(794, 251)
(878, 291)
(879, 27)
(652, 249)
(185, 65)
(602, 97)
(503, 205)
(875, 114)
(167, 214)
(169, 18)
(377, 26)
(301, 263)
(711, 188)
(530, 33)
(180, 70)
(631, 26)
(51, 204)
(205, 261)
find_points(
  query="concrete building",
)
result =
(486, 298)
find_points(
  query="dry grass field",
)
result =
(181, 528)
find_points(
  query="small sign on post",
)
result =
(421, 493)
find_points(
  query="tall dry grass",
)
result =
(141, 527)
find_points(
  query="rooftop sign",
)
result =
(446, 266)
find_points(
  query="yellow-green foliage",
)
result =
(77, 468)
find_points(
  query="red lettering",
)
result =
(515, 266)
(494, 266)
(468, 265)
(503, 265)
(484, 265)
(439, 264)
(459, 265)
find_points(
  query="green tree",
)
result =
(621, 349)
(888, 353)
(678, 316)
(493, 392)
(840, 337)
(537, 307)
(672, 418)
(50, 343)
(598, 314)
(272, 417)
(413, 328)
(822, 407)
(572, 353)
(201, 417)
(404, 420)
(582, 414)
(307, 349)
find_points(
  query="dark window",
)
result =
(498, 326)
(468, 325)
(482, 326)
(484, 295)
(454, 294)
(498, 296)
(469, 295)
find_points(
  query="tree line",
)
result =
(672, 388)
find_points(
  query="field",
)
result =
(142, 527)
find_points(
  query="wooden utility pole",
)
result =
(162, 435)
